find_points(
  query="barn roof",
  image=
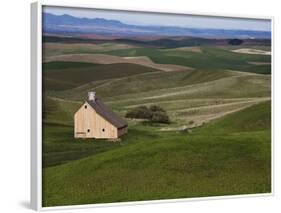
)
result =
(107, 114)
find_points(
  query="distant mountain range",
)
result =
(70, 25)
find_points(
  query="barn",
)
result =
(95, 120)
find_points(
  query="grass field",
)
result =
(213, 58)
(218, 141)
(51, 49)
(66, 75)
(235, 159)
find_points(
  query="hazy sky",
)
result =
(140, 18)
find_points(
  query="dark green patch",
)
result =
(65, 64)
(62, 76)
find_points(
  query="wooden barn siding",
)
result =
(85, 119)
(122, 131)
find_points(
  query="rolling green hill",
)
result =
(218, 141)
(159, 87)
(168, 42)
(172, 164)
(57, 65)
(59, 112)
(257, 118)
(145, 82)
(51, 49)
(209, 58)
(66, 75)
(237, 86)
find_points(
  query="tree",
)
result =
(235, 41)
(154, 114)
(155, 108)
(160, 117)
(139, 112)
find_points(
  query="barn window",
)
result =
(85, 106)
(103, 130)
(88, 130)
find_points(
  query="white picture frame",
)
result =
(36, 104)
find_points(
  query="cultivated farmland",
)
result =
(217, 98)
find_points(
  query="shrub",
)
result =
(154, 113)
(160, 117)
(155, 108)
(140, 112)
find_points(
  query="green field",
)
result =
(209, 58)
(213, 160)
(67, 75)
(218, 141)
